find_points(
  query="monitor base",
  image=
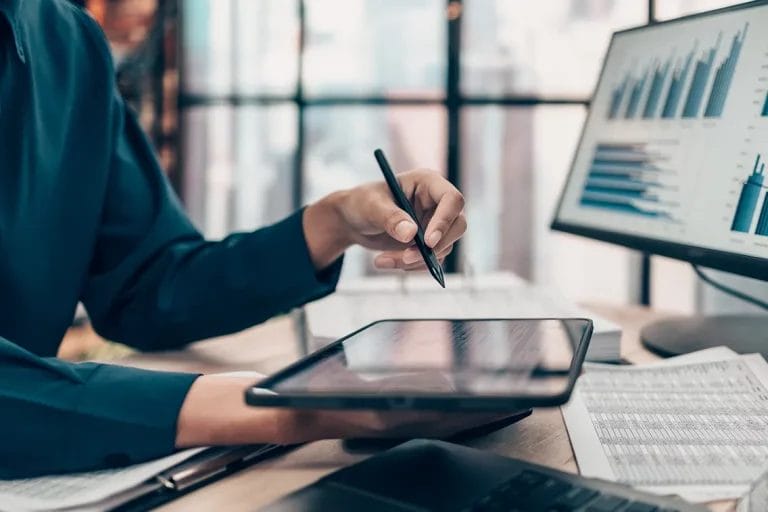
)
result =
(744, 334)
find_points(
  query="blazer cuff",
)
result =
(301, 281)
(127, 415)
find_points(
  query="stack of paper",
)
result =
(696, 426)
(81, 491)
(502, 295)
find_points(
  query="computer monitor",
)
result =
(672, 157)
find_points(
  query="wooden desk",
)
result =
(541, 438)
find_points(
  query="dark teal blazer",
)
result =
(86, 215)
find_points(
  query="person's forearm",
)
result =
(104, 414)
(325, 231)
(194, 289)
(214, 413)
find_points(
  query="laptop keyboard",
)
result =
(531, 491)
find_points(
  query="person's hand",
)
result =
(367, 215)
(312, 425)
(215, 414)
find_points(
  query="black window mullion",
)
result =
(187, 100)
(453, 106)
(231, 111)
(453, 102)
(644, 296)
(300, 101)
(178, 175)
(157, 76)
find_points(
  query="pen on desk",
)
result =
(195, 472)
(433, 264)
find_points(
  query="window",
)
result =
(283, 101)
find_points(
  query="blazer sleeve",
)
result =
(61, 417)
(155, 283)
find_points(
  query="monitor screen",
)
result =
(673, 155)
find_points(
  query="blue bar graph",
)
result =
(635, 95)
(765, 105)
(624, 178)
(617, 97)
(699, 83)
(724, 76)
(657, 85)
(750, 194)
(675, 91)
(762, 222)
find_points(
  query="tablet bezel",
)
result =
(261, 393)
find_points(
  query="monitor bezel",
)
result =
(749, 266)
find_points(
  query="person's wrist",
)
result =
(326, 230)
(233, 422)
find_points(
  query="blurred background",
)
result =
(257, 107)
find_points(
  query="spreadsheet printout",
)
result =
(699, 430)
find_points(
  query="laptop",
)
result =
(436, 476)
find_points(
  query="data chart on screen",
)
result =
(676, 144)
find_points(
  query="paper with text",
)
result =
(699, 430)
(78, 489)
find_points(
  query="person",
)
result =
(86, 215)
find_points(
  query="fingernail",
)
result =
(385, 263)
(404, 230)
(434, 238)
(411, 256)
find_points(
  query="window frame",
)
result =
(453, 102)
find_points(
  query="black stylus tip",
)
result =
(438, 274)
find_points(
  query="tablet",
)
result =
(491, 365)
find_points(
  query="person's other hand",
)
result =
(214, 413)
(367, 215)
(303, 426)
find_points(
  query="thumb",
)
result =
(396, 222)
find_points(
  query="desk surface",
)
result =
(540, 438)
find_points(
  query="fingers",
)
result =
(430, 424)
(438, 204)
(456, 231)
(394, 259)
(397, 223)
(434, 191)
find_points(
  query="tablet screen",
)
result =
(468, 357)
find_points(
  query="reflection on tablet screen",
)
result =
(496, 357)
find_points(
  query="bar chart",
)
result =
(699, 82)
(724, 76)
(764, 112)
(748, 199)
(654, 94)
(626, 178)
(635, 94)
(762, 221)
(690, 86)
(675, 92)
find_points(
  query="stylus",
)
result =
(433, 264)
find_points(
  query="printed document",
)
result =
(697, 427)
(79, 489)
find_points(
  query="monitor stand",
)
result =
(744, 334)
